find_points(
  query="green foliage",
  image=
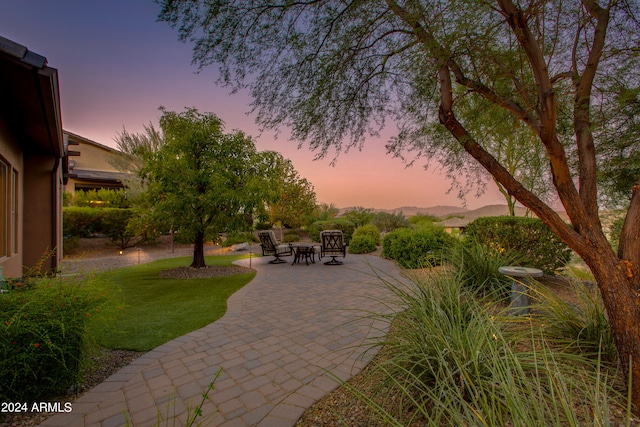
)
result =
(359, 216)
(81, 221)
(368, 230)
(204, 180)
(580, 326)
(389, 221)
(529, 238)
(46, 333)
(263, 225)
(615, 230)
(115, 225)
(323, 212)
(477, 267)
(362, 244)
(418, 248)
(343, 225)
(294, 199)
(102, 198)
(236, 237)
(111, 222)
(291, 237)
(423, 220)
(67, 199)
(454, 359)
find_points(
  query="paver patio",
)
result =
(284, 339)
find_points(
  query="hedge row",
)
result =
(85, 222)
(529, 238)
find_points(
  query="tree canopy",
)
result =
(295, 198)
(201, 180)
(336, 71)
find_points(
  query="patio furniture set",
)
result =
(332, 245)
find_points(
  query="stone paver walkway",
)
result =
(285, 337)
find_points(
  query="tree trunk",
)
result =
(618, 287)
(198, 251)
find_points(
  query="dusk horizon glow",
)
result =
(117, 65)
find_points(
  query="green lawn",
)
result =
(156, 310)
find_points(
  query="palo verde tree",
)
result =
(202, 179)
(334, 71)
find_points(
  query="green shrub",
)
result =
(530, 238)
(236, 237)
(362, 244)
(115, 225)
(263, 225)
(359, 216)
(417, 248)
(102, 198)
(423, 220)
(477, 266)
(111, 222)
(81, 221)
(46, 330)
(343, 225)
(291, 237)
(389, 221)
(368, 230)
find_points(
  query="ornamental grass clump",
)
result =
(46, 327)
(452, 358)
(477, 266)
(579, 326)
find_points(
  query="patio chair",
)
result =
(333, 246)
(271, 246)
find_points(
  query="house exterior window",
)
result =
(14, 212)
(8, 209)
(4, 209)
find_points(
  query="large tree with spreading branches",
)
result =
(334, 71)
(202, 180)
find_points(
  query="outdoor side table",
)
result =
(519, 298)
(306, 251)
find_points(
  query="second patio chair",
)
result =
(332, 245)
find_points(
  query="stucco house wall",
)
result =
(31, 162)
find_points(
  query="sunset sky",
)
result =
(117, 65)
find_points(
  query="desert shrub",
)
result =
(530, 238)
(81, 221)
(423, 220)
(115, 225)
(359, 216)
(368, 230)
(46, 330)
(417, 248)
(290, 236)
(264, 225)
(343, 225)
(389, 221)
(477, 266)
(362, 244)
(237, 237)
